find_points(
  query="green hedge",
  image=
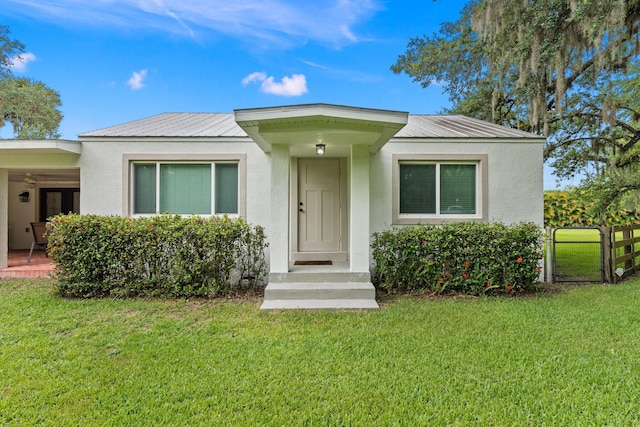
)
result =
(467, 258)
(163, 255)
(575, 208)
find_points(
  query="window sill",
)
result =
(138, 215)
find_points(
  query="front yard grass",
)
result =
(557, 358)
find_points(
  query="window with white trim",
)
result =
(186, 188)
(438, 189)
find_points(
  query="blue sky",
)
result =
(114, 61)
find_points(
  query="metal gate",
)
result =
(578, 255)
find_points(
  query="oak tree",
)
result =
(29, 106)
(567, 69)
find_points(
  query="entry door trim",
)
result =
(341, 254)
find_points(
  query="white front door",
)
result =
(319, 205)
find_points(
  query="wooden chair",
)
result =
(39, 237)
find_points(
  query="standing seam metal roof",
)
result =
(190, 125)
(193, 125)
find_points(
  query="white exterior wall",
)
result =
(279, 221)
(21, 215)
(514, 175)
(4, 203)
(102, 174)
(514, 169)
(359, 230)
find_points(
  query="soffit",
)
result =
(333, 125)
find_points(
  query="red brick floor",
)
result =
(40, 265)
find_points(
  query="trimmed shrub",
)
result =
(165, 255)
(466, 258)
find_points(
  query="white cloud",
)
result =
(256, 76)
(315, 65)
(19, 63)
(135, 82)
(295, 85)
(346, 74)
(346, 31)
(263, 23)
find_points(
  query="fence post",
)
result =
(548, 270)
(628, 249)
(632, 236)
(607, 239)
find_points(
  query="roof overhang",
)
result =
(310, 124)
(40, 146)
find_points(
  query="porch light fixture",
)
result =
(24, 196)
(320, 149)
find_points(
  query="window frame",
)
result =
(480, 160)
(129, 160)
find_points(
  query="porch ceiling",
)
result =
(335, 126)
(43, 176)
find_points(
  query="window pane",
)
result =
(144, 191)
(76, 202)
(226, 188)
(457, 189)
(185, 189)
(417, 189)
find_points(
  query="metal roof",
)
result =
(454, 126)
(193, 125)
(190, 125)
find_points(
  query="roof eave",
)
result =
(40, 146)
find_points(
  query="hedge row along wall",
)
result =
(466, 258)
(162, 255)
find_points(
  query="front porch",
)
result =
(18, 267)
(38, 178)
(320, 200)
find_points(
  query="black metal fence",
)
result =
(578, 254)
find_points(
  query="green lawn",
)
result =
(559, 358)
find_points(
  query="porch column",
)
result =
(279, 235)
(359, 208)
(4, 218)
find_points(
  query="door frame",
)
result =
(43, 190)
(337, 256)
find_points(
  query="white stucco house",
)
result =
(320, 178)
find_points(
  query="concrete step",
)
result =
(319, 277)
(320, 290)
(319, 304)
(319, 295)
